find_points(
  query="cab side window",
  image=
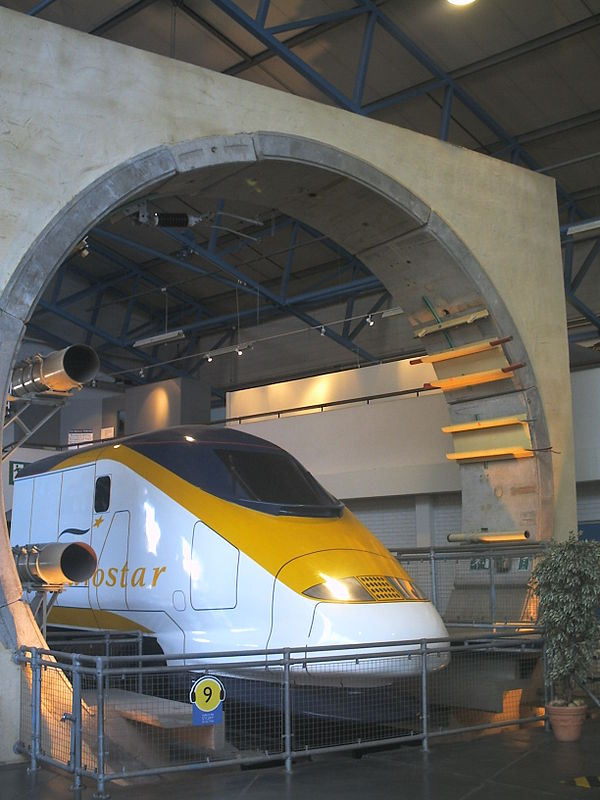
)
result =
(102, 494)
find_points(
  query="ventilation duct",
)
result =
(59, 371)
(54, 564)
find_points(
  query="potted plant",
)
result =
(567, 582)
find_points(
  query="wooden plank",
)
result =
(482, 424)
(461, 352)
(490, 455)
(453, 322)
(473, 379)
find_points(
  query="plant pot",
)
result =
(566, 721)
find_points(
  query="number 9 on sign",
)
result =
(207, 693)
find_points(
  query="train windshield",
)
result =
(242, 469)
(275, 479)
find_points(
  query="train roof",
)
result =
(225, 462)
(207, 435)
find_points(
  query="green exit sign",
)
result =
(14, 467)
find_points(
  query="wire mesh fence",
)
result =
(482, 586)
(119, 716)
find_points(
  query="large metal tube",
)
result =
(55, 564)
(486, 537)
(59, 371)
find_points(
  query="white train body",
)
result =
(214, 540)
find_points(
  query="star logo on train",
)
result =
(98, 521)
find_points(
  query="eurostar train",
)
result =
(214, 540)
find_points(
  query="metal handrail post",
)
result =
(287, 712)
(100, 793)
(424, 704)
(545, 680)
(434, 598)
(140, 652)
(76, 724)
(106, 653)
(492, 591)
(36, 707)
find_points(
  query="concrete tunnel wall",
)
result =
(87, 123)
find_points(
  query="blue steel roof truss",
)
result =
(273, 38)
(124, 286)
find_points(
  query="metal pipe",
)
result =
(36, 703)
(54, 563)
(287, 712)
(76, 723)
(100, 793)
(492, 591)
(487, 537)
(424, 705)
(545, 680)
(434, 598)
(59, 371)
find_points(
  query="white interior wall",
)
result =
(384, 448)
(378, 457)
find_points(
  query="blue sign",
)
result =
(206, 696)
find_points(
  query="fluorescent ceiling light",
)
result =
(583, 227)
(392, 312)
(160, 338)
(461, 2)
(233, 348)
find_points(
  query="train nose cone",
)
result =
(384, 639)
(352, 623)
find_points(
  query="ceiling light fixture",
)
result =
(232, 348)
(370, 321)
(160, 338)
(579, 228)
(392, 312)
(461, 2)
(322, 330)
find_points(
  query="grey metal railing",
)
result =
(483, 586)
(111, 717)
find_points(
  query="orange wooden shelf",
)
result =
(460, 352)
(485, 424)
(492, 454)
(474, 379)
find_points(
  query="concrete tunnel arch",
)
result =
(156, 167)
(87, 122)
(80, 135)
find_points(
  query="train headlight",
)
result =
(365, 588)
(348, 590)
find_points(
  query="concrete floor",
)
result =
(526, 763)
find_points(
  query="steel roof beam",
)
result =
(39, 7)
(247, 285)
(368, 283)
(122, 16)
(587, 263)
(441, 77)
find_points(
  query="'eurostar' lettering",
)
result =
(123, 577)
